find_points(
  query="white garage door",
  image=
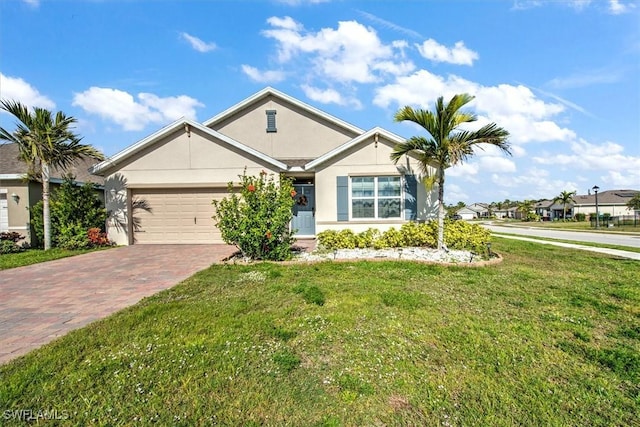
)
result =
(178, 215)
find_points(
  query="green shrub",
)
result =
(9, 247)
(332, 239)
(71, 207)
(257, 219)
(460, 235)
(580, 217)
(73, 237)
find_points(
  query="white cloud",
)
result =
(466, 170)
(123, 109)
(32, 3)
(608, 158)
(269, 76)
(436, 52)
(198, 44)
(350, 53)
(515, 108)
(16, 89)
(329, 96)
(587, 78)
(618, 8)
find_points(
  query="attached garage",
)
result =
(177, 215)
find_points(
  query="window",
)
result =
(376, 197)
(271, 121)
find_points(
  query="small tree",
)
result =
(74, 210)
(256, 219)
(634, 202)
(565, 198)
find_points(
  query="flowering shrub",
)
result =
(97, 237)
(256, 219)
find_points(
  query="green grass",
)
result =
(550, 336)
(35, 256)
(595, 245)
(578, 226)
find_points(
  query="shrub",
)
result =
(457, 235)
(73, 237)
(580, 217)
(97, 237)
(9, 247)
(72, 207)
(257, 219)
(11, 236)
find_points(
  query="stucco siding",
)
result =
(299, 135)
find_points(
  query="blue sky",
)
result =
(562, 76)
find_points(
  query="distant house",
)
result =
(474, 211)
(612, 202)
(18, 194)
(548, 210)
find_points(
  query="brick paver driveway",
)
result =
(41, 302)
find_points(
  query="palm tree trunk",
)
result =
(46, 216)
(441, 210)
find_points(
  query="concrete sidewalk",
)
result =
(41, 302)
(613, 252)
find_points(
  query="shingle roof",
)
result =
(10, 164)
(613, 197)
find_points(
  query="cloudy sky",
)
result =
(563, 77)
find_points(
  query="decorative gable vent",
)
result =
(271, 121)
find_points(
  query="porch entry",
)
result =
(304, 208)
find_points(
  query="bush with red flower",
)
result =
(255, 216)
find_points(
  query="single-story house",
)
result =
(345, 173)
(612, 202)
(474, 211)
(18, 193)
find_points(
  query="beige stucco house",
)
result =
(18, 193)
(343, 171)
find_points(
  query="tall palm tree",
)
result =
(565, 198)
(446, 145)
(45, 142)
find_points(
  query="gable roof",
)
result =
(355, 141)
(178, 124)
(12, 167)
(269, 91)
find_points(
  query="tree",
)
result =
(634, 202)
(565, 198)
(45, 142)
(74, 209)
(526, 208)
(446, 144)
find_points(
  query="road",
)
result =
(577, 236)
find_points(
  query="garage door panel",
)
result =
(172, 217)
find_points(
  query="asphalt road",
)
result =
(577, 236)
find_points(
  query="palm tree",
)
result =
(446, 145)
(45, 142)
(565, 198)
(526, 208)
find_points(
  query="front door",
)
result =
(304, 210)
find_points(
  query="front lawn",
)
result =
(35, 256)
(550, 336)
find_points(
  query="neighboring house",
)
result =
(612, 202)
(345, 173)
(474, 211)
(18, 194)
(548, 210)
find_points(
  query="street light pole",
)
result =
(595, 190)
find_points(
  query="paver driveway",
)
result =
(41, 302)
